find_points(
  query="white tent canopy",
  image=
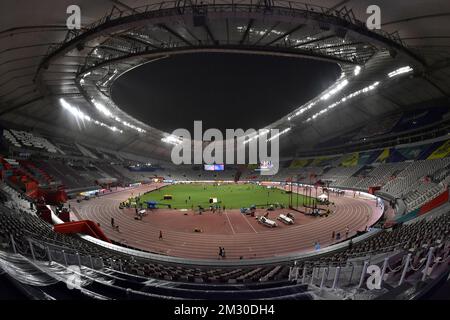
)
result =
(323, 196)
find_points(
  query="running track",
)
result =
(240, 235)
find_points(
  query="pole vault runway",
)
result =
(240, 235)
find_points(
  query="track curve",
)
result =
(240, 235)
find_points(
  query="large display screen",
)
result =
(214, 167)
(265, 166)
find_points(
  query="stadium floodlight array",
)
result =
(131, 126)
(79, 115)
(261, 132)
(279, 134)
(300, 111)
(112, 128)
(298, 42)
(171, 139)
(400, 71)
(348, 97)
(110, 78)
(100, 107)
(341, 85)
(104, 110)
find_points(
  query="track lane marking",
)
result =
(348, 209)
(229, 222)
(243, 216)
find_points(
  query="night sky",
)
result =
(223, 90)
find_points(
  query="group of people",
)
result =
(132, 202)
(337, 236)
(336, 192)
(213, 208)
(316, 212)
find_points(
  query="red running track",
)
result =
(241, 236)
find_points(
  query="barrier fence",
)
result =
(364, 273)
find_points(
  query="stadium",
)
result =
(224, 150)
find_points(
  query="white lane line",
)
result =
(243, 216)
(229, 222)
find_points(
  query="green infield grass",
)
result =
(232, 196)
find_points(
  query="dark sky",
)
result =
(223, 90)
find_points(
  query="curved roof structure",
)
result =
(46, 68)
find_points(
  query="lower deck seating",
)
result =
(22, 225)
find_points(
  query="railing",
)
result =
(52, 252)
(77, 271)
(363, 274)
(357, 275)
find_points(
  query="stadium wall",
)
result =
(427, 207)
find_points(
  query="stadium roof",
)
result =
(41, 62)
